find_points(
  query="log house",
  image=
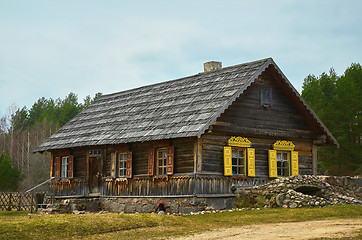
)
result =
(194, 137)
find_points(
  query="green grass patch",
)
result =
(13, 213)
(147, 226)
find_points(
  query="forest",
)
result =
(337, 100)
(22, 130)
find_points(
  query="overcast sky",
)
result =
(51, 48)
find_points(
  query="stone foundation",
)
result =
(301, 191)
(289, 192)
(181, 205)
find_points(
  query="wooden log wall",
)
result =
(175, 185)
(68, 187)
(184, 155)
(247, 115)
(183, 158)
(213, 158)
(262, 125)
(155, 186)
(80, 163)
(145, 186)
(140, 157)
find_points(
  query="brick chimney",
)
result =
(212, 66)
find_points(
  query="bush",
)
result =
(9, 174)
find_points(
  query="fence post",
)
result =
(32, 201)
(53, 192)
(18, 207)
(10, 204)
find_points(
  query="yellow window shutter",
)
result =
(228, 169)
(295, 168)
(273, 163)
(251, 162)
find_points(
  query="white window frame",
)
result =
(240, 161)
(122, 164)
(65, 167)
(161, 161)
(281, 168)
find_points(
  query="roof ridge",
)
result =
(183, 107)
(183, 78)
(238, 93)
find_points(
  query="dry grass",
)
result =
(18, 225)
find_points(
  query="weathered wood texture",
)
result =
(212, 153)
(68, 187)
(20, 201)
(246, 115)
(80, 163)
(175, 185)
(183, 156)
(172, 109)
(155, 186)
(263, 126)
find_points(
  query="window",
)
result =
(64, 167)
(238, 161)
(94, 153)
(265, 97)
(164, 158)
(161, 165)
(283, 159)
(122, 163)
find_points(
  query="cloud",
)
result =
(51, 48)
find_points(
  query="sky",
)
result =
(51, 48)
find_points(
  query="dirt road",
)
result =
(296, 231)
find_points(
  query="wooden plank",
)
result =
(280, 133)
(305, 154)
(314, 159)
(51, 164)
(87, 163)
(195, 157)
(217, 148)
(212, 154)
(199, 155)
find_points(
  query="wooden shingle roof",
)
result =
(184, 107)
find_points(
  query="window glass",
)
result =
(161, 161)
(122, 164)
(238, 160)
(97, 152)
(64, 167)
(265, 96)
(283, 163)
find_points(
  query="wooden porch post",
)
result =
(198, 153)
(314, 159)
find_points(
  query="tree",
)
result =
(338, 103)
(88, 99)
(9, 174)
(24, 129)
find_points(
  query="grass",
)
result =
(20, 225)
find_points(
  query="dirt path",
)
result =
(296, 231)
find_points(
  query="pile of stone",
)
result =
(75, 206)
(301, 191)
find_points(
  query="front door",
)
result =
(95, 174)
